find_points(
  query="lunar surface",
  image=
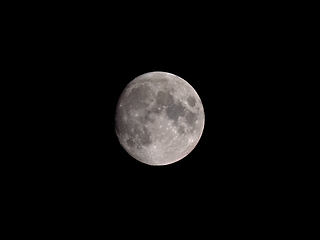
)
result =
(159, 118)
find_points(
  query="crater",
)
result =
(130, 142)
(191, 101)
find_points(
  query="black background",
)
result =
(225, 56)
(85, 57)
(226, 62)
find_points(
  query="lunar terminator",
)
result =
(159, 118)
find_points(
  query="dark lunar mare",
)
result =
(175, 110)
(164, 98)
(136, 98)
(191, 119)
(191, 101)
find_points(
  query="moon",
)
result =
(159, 118)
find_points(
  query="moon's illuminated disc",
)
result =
(159, 118)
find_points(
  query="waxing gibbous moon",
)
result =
(159, 118)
